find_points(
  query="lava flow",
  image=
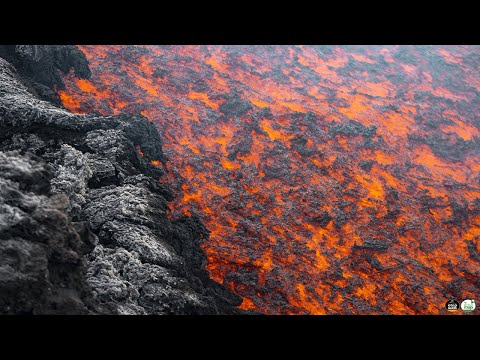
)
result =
(333, 179)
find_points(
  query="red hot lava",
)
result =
(332, 179)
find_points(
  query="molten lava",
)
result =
(332, 179)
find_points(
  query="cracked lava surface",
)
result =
(333, 179)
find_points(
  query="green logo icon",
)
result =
(468, 305)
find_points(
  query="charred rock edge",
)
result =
(42, 67)
(83, 217)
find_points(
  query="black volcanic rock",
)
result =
(42, 67)
(83, 217)
(42, 270)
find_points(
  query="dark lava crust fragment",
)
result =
(83, 217)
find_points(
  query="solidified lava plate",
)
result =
(333, 179)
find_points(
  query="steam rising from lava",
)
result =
(332, 179)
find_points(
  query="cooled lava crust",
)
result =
(83, 221)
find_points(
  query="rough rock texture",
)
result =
(41, 268)
(83, 216)
(42, 66)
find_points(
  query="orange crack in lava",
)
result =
(332, 179)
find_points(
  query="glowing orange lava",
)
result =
(333, 179)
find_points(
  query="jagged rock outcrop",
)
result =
(41, 249)
(83, 216)
(42, 67)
